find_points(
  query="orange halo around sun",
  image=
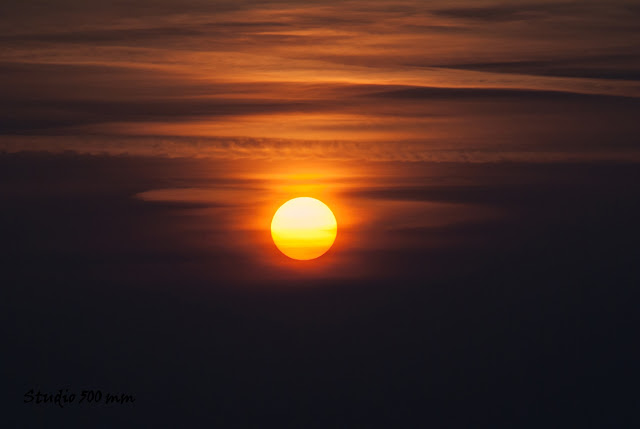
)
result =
(304, 228)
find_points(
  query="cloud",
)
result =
(624, 66)
(524, 94)
(265, 149)
(579, 11)
(493, 13)
(412, 81)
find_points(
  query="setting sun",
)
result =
(303, 228)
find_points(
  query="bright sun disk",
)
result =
(304, 228)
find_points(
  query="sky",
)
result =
(417, 81)
(481, 159)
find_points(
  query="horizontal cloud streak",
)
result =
(280, 149)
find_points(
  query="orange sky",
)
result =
(412, 80)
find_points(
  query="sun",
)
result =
(304, 228)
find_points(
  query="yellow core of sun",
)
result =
(304, 228)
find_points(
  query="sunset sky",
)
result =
(374, 80)
(482, 159)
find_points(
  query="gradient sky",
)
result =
(481, 159)
(478, 81)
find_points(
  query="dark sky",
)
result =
(481, 159)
